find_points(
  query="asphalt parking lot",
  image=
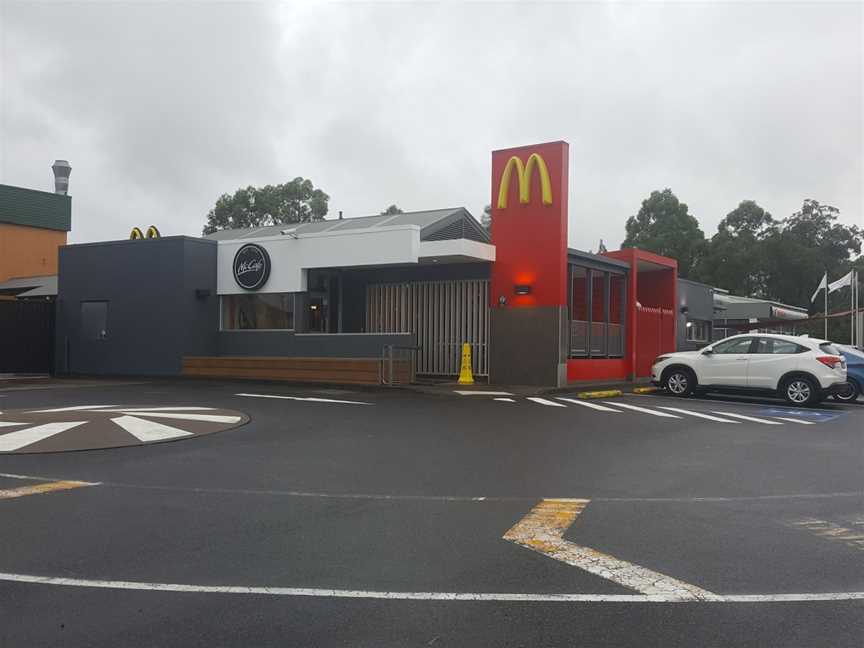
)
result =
(375, 518)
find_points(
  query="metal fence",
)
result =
(442, 314)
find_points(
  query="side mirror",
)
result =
(708, 351)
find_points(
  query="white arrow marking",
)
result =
(164, 409)
(542, 530)
(148, 430)
(213, 418)
(311, 399)
(644, 410)
(749, 418)
(583, 403)
(21, 438)
(699, 414)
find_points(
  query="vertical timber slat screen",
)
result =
(442, 314)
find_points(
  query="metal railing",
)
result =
(398, 365)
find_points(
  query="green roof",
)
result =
(31, 208)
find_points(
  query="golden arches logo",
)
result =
(152, 233)
(524, 173)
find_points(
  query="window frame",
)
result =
(222, 327)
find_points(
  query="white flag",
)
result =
(840, 283)
(822, 284)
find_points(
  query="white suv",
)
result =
(800, 369)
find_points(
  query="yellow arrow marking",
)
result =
(39, 489)
(542, 530)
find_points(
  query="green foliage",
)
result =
(392, 209)
(486, 219)
(665, 226)
(297, 201)
(733, 258)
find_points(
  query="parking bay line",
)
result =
(504, 597)
(749, 418)
(583, 403)
(697, 414)
(544, 401)
(644, 410)
(793, 420)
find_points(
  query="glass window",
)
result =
(579, 300)
(738, 345)
(261, 311)
(94, 320)
(785, 346)
(617, 304)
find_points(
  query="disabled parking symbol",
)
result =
(816, 416)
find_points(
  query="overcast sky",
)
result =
(161, 107)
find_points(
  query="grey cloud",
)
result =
(161, 107)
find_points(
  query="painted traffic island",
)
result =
(93, 427)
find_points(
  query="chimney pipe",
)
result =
(61, 176)
(340, 214)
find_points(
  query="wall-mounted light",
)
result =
(313, 307)
(502, 300)
(522, 289)
(685, 310)
(689, 324)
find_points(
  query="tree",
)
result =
(804, 246)
(297, 201)
(486, 219)
(734, 257)
(664, 226)
(392, 209)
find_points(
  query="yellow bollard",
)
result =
(465, 375)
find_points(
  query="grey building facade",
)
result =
(695, 315)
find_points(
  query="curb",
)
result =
(609, 393)
(645, 390)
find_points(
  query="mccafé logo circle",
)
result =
(251, 266)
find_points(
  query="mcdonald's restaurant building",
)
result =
(387, 298)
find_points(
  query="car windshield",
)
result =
(851, 351)
(827, 347)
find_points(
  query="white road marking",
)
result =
(41, 489)
(21, 438)
(517, 597)
(164, 409)
(583, 403)
(148, 430)
(542, 530)
(307, 398)
(698, 414)
(643, 409)
(794, 420)
(481, 393)
(505, 400)
(213, 418)
(71, 409)
(545, 401)
(10, 423)
(749, 418)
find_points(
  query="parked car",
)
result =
(801, 370)
(854, 374)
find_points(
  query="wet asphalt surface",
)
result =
(412, 493)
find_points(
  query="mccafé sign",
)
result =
(524, 173)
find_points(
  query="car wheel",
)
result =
(679, 382)
(850, 394)
(800, 391)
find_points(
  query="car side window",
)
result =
(764, 345)
(741, 345)
(786, 347)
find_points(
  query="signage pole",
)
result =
(826, 305)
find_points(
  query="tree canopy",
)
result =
(392, 209)
(665, 226)
(297, 201)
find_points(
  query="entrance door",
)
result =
(727, 365)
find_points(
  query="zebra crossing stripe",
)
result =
(21, 438)
(644, 410)
(749, 418)
(698, 414)
(793, 420)
(544, 401)
(594, 406)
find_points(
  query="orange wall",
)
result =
(28, 251)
